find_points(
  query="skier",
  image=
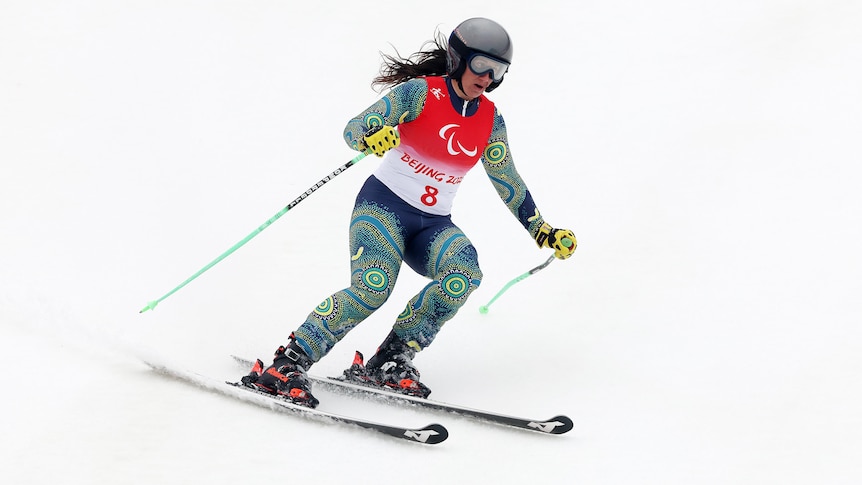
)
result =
(445, 125)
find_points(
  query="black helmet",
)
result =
(479, 36)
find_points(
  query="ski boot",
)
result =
(392, 368)
(286, 376)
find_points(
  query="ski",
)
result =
(429, 435)
(555, 425)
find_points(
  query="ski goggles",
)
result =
(481, 64)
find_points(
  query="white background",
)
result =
(705, 153)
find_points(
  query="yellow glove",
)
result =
(381, 139)
(562, 241)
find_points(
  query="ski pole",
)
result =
(484, 308)
(152, 305)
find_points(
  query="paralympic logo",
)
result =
(451, 142)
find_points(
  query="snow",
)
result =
(706, 154)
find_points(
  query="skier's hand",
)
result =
(381, 139)
(562, 241)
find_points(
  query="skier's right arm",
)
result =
(401, 104)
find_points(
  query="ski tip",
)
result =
(558, 425)
(430, 435)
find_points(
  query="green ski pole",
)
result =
(152, 305)
(484, 308)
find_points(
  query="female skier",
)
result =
(445, 125)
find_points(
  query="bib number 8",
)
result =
(430, 197)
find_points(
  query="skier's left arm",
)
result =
(497, 160)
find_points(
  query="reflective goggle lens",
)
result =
(481, 64)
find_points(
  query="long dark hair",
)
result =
(431, 60)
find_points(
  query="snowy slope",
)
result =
(706, 154)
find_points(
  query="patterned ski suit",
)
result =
(402, 213)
